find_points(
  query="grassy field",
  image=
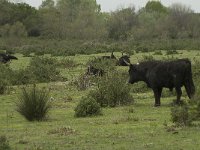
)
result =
(139, 126)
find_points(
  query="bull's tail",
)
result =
(189, 84)
(190, 88)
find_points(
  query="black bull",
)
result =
(160, 74)
(4, 58)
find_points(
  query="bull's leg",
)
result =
(179, 93)
(157, 94)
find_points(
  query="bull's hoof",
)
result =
(156, 105)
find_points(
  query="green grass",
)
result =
(139, 126)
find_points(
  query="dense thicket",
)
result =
(78, 20)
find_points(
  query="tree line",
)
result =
(84, 20)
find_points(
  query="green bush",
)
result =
(33, 104)
(171, 52)
(112, 90)
(67, 63)
(39, 53)
(41, 69)
(104, 64)
(6, 75)
(195, 103)
(142, 49)
(23, 76)
(26, 53)
(13, 77)
(87, 107)
(158, 53)
(44, 69)
(4, 144)
(139, 87)
(180, 115)
(147, 58)
(83, 82)
(191, 112)
(3, 86)
(196, 69)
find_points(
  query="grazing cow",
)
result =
(91, 70)
(123, 60)
(112, 56)
(4, 58)
(160, 74)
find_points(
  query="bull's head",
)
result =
(135, 74)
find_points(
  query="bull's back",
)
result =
(168, 74)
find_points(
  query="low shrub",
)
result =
(189, 113)
(26, 53)
(112, 90)
(180, 115)
(33, 104)
(82, 82)
(87, 107)
(142, 49)
(4, 144)
(67, 63)
(41, 69)
(171, 52)
(147, 58)
(168, 93)
(6, 75)
(13, 77)
(23, 76)
(39, 53)
(158, 53)
(3, 86)
(44, 69)
(196, 69)
(103, 64)
(195, 103)
(139, 87)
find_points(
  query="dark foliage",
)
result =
(4, 144)
(112, 90)
(44, 69)
(5, 77)
(82, 82)
(180, 115)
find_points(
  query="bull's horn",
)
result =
(126, 62)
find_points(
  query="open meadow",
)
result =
(137, 126)
(62, 88)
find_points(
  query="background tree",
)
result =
(121, 22)
(155, 6)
